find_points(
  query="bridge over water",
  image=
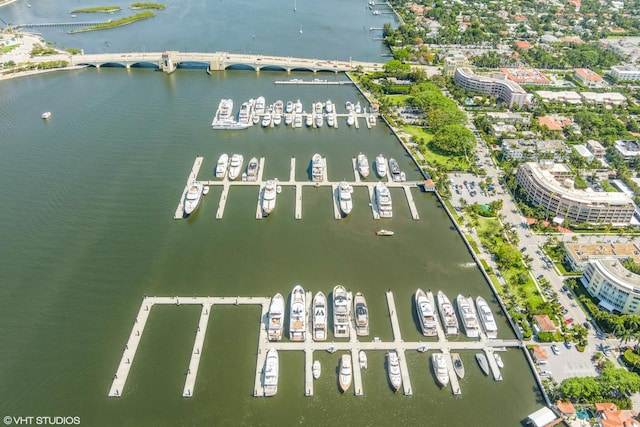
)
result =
(168, 61)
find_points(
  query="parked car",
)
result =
(607, 351)
(546, 373)
(568, 344)
(555, 349)
(568, 321)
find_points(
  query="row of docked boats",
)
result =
(473, 318)
(193, 196)
(233, 167)
(342, 316)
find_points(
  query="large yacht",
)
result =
(344, 196)
(225, 109)
(266, 119)
(440, 368)
(394, 168)
(269, 197)
(243, 114)
(258, 109)
(393, 368)
(468, 316)
(362, 164)
(235, 165)
(252, 169)
(328, 106)
(383, 200)
(271, 367)
(297, 315)
(222, 165)
(319, 120)
(361, 313)
(309, 119)
(319, 317)
(483, 362)
(381, 166)
(289, 107)
(344, 376)
(426, 314)
(317, 168)
(297, 107)
(192, 197)
(340, 312)
(487, 319)
(276, 315)
(448, 316)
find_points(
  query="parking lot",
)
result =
(467, 186)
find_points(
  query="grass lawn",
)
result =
(449, 162)
(398, 100)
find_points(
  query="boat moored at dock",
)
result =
(362, 164)
(361, 313)
(426, 314)
(235, 165)
(344, 196)
(362, 357)
(222, 165)
(468, 317)
(458, 367)
(276, 317)
(383, 200)
(447, 314)
(271, 368)
(440, 368)
(316, 369)
(394, 169)
(193, 197)
(253, 168)
(269, 193)
(486, 318)
(340, 312)
(319, 317)
(381, 166)
(317, 168)
(345, 372)
(499, 361)
(393, 370)
(483, 362)
(297, 315)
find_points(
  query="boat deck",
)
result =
(353, 346)
(441, 335)
(453, 377)
(179, 214)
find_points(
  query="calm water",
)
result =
(87, 230)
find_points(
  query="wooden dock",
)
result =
(411, 202)
(442, 337)
(453, 377)
(495, 370)
(223, 199)
(179, 214)
(192, 372)
(397, 338)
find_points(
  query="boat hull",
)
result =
(341, 327)
(297, 314)
(320, 317)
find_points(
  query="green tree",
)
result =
(454, 139)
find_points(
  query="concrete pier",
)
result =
(493, 365)
(412, 204)
(356, 174)
(298, 209)
(292, 170)
(308, 371)
(223, 200)
(441, 335)
(453, 378)
(372, 202)
(179, 214)
(397, 338)
(336, 202)
(192, 372)
(259, 214)
(357, 375)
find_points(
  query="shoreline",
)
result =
(8, 2)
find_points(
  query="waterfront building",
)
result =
(587, 77)
(550, 186)
(579, 254)
(452, 63)
(506, 90)
(617, 288)
(625, 72)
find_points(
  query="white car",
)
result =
(555, 349)
(546, 373)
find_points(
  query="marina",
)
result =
(264, 345)
(322, 181)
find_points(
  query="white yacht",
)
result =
(288, 118)
(243, 114)
(383, 200)
(394, 168)
(309, 119)
(277, 119)
(381, 166)
(483, 362)
(361, 313)
(362, 164)
(289, 107)
(426, 314)
(46, 115)
(297, 120)
(357, 108)
(393, 368)
(331, 120)
(340, 312)
(271, 368)
(222, 165)
(351, 118)
(235, 165)
(362, 357)
(319, 317)
(266, 120)
(316, 369)
(253, 168)
(297, 315)
(297, 107)
(317, 168)
(499, 361)
(192, 197)
(269, 197)
(276, 315)
(328, 106)
(447, 314)
(344, 196)
(278, 107)
(440, 368)
(259, 106)
(319, 120)
(486, 318)
(468, 317)
(344, 376)
(225, 109)
(349, 106)
(318, 107)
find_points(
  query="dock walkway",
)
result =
(397, 338)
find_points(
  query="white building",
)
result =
(506, 90)
(625, 72)
(617, 288)
(628, 148)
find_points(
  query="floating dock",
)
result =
(442, 337)
(192, 177)
(453, 377)
(192, 372)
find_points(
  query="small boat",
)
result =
(457, 365)
(317, 168)
(362, 357)
(328, 106)
(468, 316)
(447, 314)
(426, 314)
(297, 121)
(499, 361)
(277, 119)
(266, 120)
(341, 322)
(486, 318)
(357, 108)
(269, 197)
(192, 197)
(309, 120)
(318, 107)
(361, 313)
(383, 200)
(319, 317)
(316, 369)
(482, 361)
(383, 232)
(46, 115)
(222, 165)
(288, 119)
(289, 107)
(344, 377)
(297, 107)
(372, 120)
(381, 166)
(331, 121)
(235, 166)
(349, 106)
(319, 120)
(393, 368)
(394, 168)
(297, 314)
(440, 368)
(331, 349)
(362, 164)
(344, 196)
(205, 190)
(252, 169)
(276, 315)
(351, 118)
(271, 367)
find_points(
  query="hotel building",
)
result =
(617, 288)
(506, 90)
